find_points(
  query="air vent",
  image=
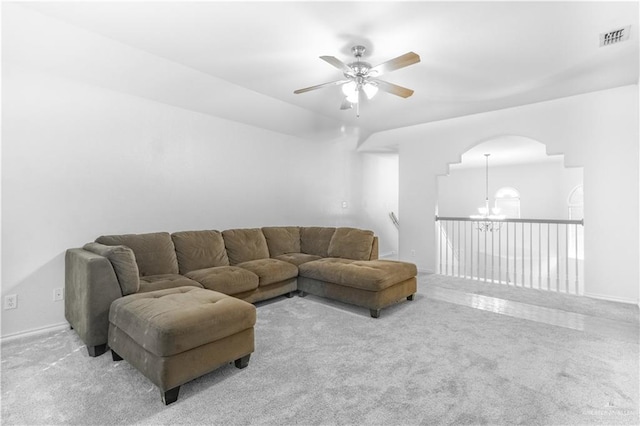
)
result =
(615, 36)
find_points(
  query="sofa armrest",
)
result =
(90, 287)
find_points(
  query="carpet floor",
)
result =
(460, 353)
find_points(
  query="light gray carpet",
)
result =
(322, 362)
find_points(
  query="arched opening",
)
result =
(532, 240)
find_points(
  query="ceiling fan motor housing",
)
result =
(359, 69)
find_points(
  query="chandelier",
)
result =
(487, 216)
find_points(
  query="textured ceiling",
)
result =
(476, 56)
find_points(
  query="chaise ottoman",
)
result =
(176, 335)
(373, 284)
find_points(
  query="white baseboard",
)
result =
(612, 298)
(34, 332)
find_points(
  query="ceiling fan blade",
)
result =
(337, 63)
(396, 63)
(394, 89)
(320, 86)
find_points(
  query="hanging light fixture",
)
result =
(487, 215)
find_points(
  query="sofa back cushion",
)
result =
(315, 240)
(199, 250)
(124, 265)
(244, 245)
(282, 239)
(155, 252)
(351, 243)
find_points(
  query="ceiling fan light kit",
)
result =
(362, 78)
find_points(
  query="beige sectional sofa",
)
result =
(249, 264)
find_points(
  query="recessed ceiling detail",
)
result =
(482, 55)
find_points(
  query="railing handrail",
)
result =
(469, 219)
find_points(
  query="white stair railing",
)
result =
(544, 254)
(394, 219)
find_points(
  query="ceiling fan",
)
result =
(362, 79)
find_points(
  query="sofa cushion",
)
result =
(315, 240)
(351, 243)
(199, 250)
(124, 265)
(155, 252)
(244, 245)
(282, 239)
(270, 271)
(225, 279)
(372, 275)
(297, 258)
(165, 281)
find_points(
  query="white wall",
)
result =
(82, 159)
(598, 131)
(543, 187)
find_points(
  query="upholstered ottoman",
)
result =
(176, 335)
(373, 284)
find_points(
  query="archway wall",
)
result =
(598, 131)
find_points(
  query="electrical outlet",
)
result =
(58, 294)
(413, 253)
(11, 301)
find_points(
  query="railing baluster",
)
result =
(449, 247)
(557, 257)
(446, 247)
(485, 255)
(577, 290)
(500, 254)
(478, 252)
(453, 247)
(548, 256)
(507, 253)
(493, 241)
(471, 252)
(523, 281)
(440, 247)
(540, 256)
(464, 270)
(531, 255)
(515, 254)
(566, 257)
(458, 248)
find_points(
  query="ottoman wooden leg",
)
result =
(170, 396)
(410, 297)
(242, 362)
(289, 295)
(115, 356)
(301, 293)
(375, 313)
